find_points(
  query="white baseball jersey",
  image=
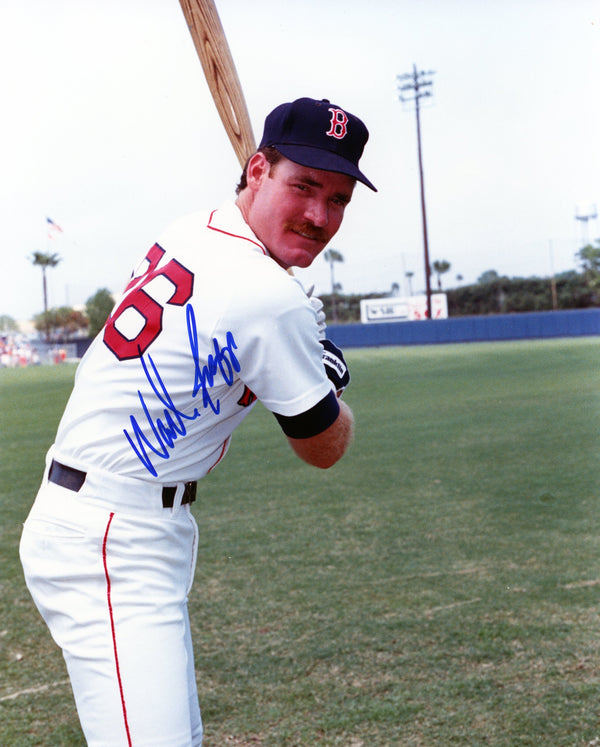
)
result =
(208, 323)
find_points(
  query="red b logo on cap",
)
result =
(339, 120)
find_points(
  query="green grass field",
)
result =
(439, 586)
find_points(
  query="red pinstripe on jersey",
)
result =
(222, 454)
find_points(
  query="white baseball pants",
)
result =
(110, 570)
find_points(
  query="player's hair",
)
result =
(272, 155)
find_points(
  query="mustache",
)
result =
(307, 229)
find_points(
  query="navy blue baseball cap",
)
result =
(319, 135)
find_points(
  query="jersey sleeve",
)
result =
(276, 335)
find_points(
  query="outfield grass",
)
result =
(439, 586)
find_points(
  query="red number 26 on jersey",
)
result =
(149, 310)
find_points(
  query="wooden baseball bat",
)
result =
(219, 69)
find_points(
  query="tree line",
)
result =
(491, 294)
(64, 323)
(503, 295)
(496, 294)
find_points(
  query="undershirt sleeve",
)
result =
(313, 421)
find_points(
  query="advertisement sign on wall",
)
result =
(398, 309)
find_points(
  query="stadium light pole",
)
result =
(418, 83)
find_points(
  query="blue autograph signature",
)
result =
(172, 425)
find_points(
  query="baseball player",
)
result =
(209, 323)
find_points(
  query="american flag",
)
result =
(53, 228)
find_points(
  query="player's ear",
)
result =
(256, 171)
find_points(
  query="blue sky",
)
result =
(109, 129)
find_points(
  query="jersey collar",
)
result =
(228, 219)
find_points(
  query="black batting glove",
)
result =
(335, 366)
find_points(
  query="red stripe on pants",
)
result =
(112, 627)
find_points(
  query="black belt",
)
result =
(73, 479)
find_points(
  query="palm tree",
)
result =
(332, 256)
(440, 266)
(44, 261)
(589, 256)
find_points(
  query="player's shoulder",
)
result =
(217, 236)
(220, 245)
(265, 291)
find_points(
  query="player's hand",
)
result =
(317, 305)
(335, 366)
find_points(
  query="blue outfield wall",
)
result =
(522, 326)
